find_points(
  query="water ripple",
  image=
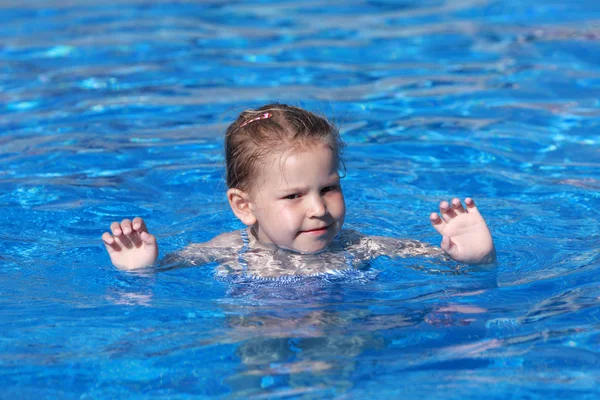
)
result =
(114, 110)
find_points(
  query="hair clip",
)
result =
(262, 116)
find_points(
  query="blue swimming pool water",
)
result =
(115, 109)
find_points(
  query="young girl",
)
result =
(283, 173)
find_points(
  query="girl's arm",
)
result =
(131, 247)
(376, 246)
(220, 249)
(465, 238)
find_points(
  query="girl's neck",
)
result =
(254, 243)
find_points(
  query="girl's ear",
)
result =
(240, 204)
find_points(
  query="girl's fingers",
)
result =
(449, 247)
(124, 241)
(148, 239)
(457, 206)
(115, 228)
(126, 227)
(107, 238)
(122, 233)
(110, 243)
(126, 234)
(471, 207)
(437, 222)
(139, 225)
(135, 238)
(446, 211)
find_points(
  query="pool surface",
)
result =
(115, 109)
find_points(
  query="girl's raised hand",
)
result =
(130, 246)
(465, 235)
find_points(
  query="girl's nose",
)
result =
(317, 207)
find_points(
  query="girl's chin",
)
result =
(309, 249)
(306, 252)
(317, 248)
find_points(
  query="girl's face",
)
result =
(298, 202)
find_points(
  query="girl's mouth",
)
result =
(317, 232)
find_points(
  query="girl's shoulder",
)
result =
(350, 236)
(356, 243)
(218, 247)
(368, 247)
(232, 240)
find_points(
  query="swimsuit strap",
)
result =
(244, 250)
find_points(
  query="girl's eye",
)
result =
(329, 188)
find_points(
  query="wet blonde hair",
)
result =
(273, 128)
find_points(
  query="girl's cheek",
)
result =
(337, 197)
(285, 211)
